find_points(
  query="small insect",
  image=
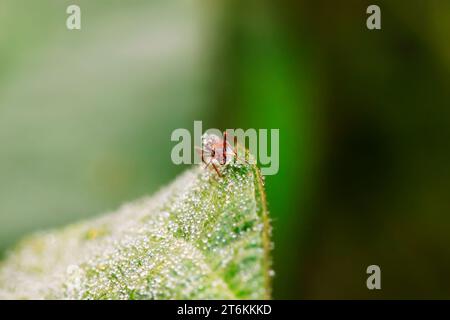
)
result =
(216, 152)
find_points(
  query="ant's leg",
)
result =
(224, 148)
(235, 151)
(207, 163)
(203, 157)
(215, 168)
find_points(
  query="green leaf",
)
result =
(202, 237)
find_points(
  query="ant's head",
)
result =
(216, 149)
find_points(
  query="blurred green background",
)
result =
(364, 119)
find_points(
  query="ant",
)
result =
(216, 151)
